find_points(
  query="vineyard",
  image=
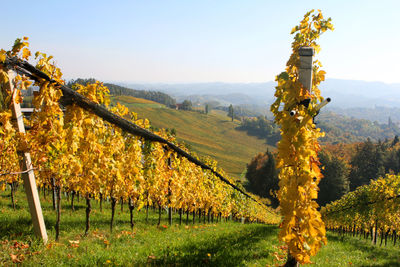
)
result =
(80, 153)
(79, 147)
(369, 211)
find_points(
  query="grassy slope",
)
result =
(212, 134)
(135, 100)
(215, 244)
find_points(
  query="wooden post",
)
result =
(305, 77)
(305, 70)
(28, 175)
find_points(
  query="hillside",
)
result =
(129, 100)
(343, 129)
(344, 93)
(374, 101)
(213, 134)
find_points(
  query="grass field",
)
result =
(199, 244)
(139, 102)
(213, 134)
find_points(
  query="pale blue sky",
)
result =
(203, 41)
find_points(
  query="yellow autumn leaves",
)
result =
(302, 228)
(76, 151)
(10, 140)
(368, 205)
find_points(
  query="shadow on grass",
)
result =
(19, 223)
(14, 228)
(102, 221)
(391, 257)
(228, 250)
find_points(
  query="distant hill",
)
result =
(354, 94)
(213, 88)
(348, 93)
(224, 100)
(257, 94)
(213, 134)
(337, 129)
(360, 99)
(377, 113)
(342, 129)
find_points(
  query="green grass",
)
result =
(214, 244)
(134, 100)
(213, 134)
(353, 251)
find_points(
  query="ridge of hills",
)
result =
(349, 93)
(374, 101)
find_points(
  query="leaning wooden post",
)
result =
(28, 175)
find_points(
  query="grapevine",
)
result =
(369, 209)
(302, 228)
(76, 152)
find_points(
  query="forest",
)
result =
(344, 167)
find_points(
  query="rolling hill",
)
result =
(213, 134)
(358, 99)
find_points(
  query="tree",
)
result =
(367, 163)
(206, 109)
(262, 176)
(395, 141)
(262, 128)
(231, 112)
(186, 105)
(335, 182)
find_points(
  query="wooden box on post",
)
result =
(306, 65)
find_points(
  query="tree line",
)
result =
(261, 127)
(345, 167)
(155, 96)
